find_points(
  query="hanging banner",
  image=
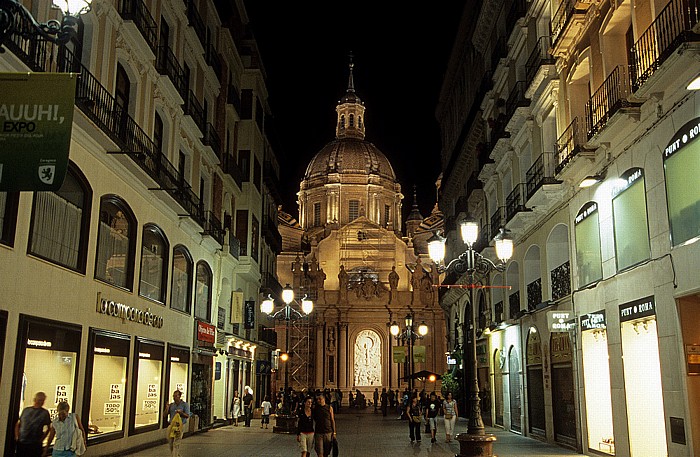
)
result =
(419, 354)
(36, 119)
(249, 314)
(236, 307)
(399, 354)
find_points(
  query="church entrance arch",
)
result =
(368, 359)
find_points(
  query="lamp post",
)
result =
(409, 335)
(477, 268)
(15, 18)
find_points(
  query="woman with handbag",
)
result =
(414, 411)
(69, 433)
(236, 407)
(449, 407)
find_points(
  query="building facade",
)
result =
(141, 275)
(347, 253)
(588, 338)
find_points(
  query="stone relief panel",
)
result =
(368, 359)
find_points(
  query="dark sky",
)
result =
(400, 58)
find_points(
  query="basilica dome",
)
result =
(349, 156)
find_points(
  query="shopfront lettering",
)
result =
(115, 392)
(685, 135)
(637, 309)
(61, 393)
(586, 211)
(39, 343)
(206, 332)
(129, 313)
(113, 409)
(593, 321)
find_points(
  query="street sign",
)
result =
(36, 119)
(399, 353)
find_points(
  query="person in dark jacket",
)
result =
(305, 428)
(324, 426)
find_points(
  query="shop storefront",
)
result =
(535, 386)
(640, 350)
(563, 395)
(146, 391)
(177, 371)
(482, 359)
(498, 360)
(514, 390)
(596, 382)
(202, 382)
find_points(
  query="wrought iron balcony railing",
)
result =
(231, 168)
(534, 294)
(674, 25)
(194, 20)
(212, 139)
(213, 60)
(541, 172)
(609, 98)
(516, 99)
(569, 143)
(561, 18)
(137, 11)
(514, 305)
(167, 65)
(234, 246)
(194, 109)
(212, 227)
(498, 312)
(515, 203)
(561, 281)
(234, 97)
(539, 56)
(497, 219)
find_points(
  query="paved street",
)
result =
(359, 435)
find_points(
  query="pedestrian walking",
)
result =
(62, 428)
(414, 412)
(305, 428)
(180, 408)
(375, 399)
(32, 427)
(266, 406)
(384, 400)
(324, 426)
(391, 397)
(431, 413)
(449, 408)
(236, 408)
(248, 405)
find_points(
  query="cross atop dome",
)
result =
(351, 110)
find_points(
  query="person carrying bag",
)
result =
(78, 444)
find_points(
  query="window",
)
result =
(359, 121)
(107, 362)
(630, 220)
(351, 121)
(342, 122)
(246, 104)
(176, 372)
(354, 210)
(182, 166)
(387, 215)
(254, 237)
(60, 222)
(242, 229)
(202, 298)
(115, 243)
(8, 217)
(257, 173)
(154, 262)
(682, 166)
(146, 403)
(158, 139)
(244, 164)
(317, 214)
(588, 257)
(181, 293)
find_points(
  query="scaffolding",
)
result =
(364, 246)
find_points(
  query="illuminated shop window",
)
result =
(588, 257)
(630, 216)
(202, 306)
(681, 167)
(177, 372)
(154, 262)
(116, 243)
(146, 395)
(181, 293)
(8, 217)
(107, 362)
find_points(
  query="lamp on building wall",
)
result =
(408, 335)
(694, 84)
(15, 18)
(476, 268)
(591, 180)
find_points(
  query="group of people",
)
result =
(422, 408)
(35, 427)
(243, 407)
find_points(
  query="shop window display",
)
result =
(147, 404)
(178, 371)
(630, 215)
(110, 356)
(596, 379)
(588, 257)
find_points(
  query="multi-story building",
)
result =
(542, 99)
(141, 275)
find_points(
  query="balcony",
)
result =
(534, 294)
(98, 105)
(499, 51)
(541, 185)
(194, 109)
(195, 21)
(234, 98)
(517, 107)
(514, 305)
(608, 99)
(500, 138)
(676, 24)
(561, 281)
(271, 181)
(484, 239)
(570, 144)
(234, 246)
(517, 10)
(167, 65)
(136, 11)
(271, 234)
(498, 312)
(231, 168)
(497, 220)
(539, 66)
(213, 60)
(270, 284)
(211, 139)
(212, 227)
(516, 211)
(567, 22)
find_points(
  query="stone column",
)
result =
(320, 356)
(343, 359)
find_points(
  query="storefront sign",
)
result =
(637, 309)
(128, 313)
(593, 321)
(561, 348)
(236, 307)
(587, 210)
(627, 179)
(451, 360)
(206, 332)
(249, 314)
(61, 393)
(36, 119)
(399, 354)
(561, 321)
(152, 391)
(534, 348)
(113, 409)
(115, 392)
(419, 354)
(689, 132)
(150, 405)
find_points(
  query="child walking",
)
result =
(266, 406)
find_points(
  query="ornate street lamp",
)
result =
(476, 268)
(409, 335)
(288, 314)
(15, 18)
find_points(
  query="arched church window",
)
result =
(359, 121)
(342, 122)
(352, 120)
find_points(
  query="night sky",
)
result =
(400, 58)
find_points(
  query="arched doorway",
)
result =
(368, 359)
(563, 389)
(514, 384)
(535, 385)
(498, 386)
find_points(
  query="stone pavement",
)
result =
(359, 435)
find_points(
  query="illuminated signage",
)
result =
(39, 343)
(588, 209)
(637, 309)
(561, 321)
(102, 350)
(593, 321)
(144, 355)
(689, 132)
(206, 332)
(128, 313)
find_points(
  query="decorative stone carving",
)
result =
(368, 359)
